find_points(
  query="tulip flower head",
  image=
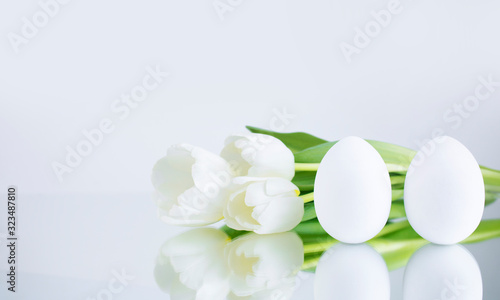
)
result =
(258, 155)
(191, 186)
(264, 205)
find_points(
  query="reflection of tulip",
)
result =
(192, 266)
(268, 205)
(264, 266)
(259, 155)
(190, 186)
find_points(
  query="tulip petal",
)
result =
(280, 215)
(259, 155)
(238, 215)
(171, 175)
(191, 208)
(280, 186)
(191, 186)
(209, 171)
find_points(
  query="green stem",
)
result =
(306, 167)
(491, 176)
(307, 197)
(396, 168)
(491, 179)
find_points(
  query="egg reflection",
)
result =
(442, 272)
(351, 272)
(205, 264)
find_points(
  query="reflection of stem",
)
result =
(310, 263)
(319, 247)
(308, 197)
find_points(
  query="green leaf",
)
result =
(397, 179)
(407, 233)
(491, 197)
(311, 227)
(397, 253)
(392, 154)
(487, 230)
(232, 233)
(313, 154)
(491, 177)
(295, 141)
(391, 227)
(304, 180)
(309, 212)
(397, 210)
(397, 194)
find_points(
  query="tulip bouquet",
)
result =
(263, 181)
(249, 185)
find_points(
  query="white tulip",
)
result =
(264, 266)
(191, 186)
(264, 205)
(192, 266)
(259, 155)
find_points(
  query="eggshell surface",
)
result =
(444, 192)
(442, 272)
(352, 191)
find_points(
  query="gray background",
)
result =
(261, 57)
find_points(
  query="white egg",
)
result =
(442, 272)
(351, 272)
(352, 191)
(444, 192)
